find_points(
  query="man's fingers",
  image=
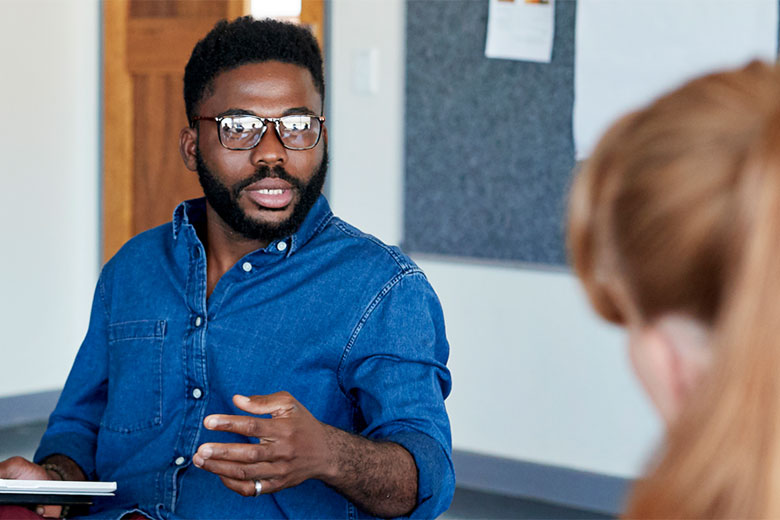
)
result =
(278, 404)
(240, 471)
(241, 424)
(21, 468)
(242, 487)
(247, 487)
(49, 511)
(247, 453)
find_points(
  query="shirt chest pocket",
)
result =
(135, 353)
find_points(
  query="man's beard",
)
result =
(224, 199)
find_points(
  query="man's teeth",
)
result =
(271, 192)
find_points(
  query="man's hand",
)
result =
(18, 468)
(381, 477)
(293, 445)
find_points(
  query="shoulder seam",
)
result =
(102, 293)
(405, 266)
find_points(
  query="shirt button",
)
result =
(197, 393)
(281, 246)
(247, 267)
(179, 461)
(198, 321)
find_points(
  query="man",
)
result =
(257, 357)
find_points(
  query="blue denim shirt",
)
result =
(349, 326)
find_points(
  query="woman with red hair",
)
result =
(674, 229)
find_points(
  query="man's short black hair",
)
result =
(246, 40)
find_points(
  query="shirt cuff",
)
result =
(435, 474)
(77, 447)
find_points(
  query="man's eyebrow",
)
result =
(244, 111)
(237, 111)
(298, 110)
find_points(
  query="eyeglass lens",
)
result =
(241, 132)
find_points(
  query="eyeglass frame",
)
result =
(264, 121)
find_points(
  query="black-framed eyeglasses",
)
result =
(244, 131)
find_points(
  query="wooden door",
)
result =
(146, 45)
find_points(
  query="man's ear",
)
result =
(188, 146)
(670, 355)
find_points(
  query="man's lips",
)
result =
(271, 193)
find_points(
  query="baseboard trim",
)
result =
(27, 408)
(558, 485)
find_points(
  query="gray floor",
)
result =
(467, 504)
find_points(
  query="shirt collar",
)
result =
(318, 217)
(193, 211)
(189, 212)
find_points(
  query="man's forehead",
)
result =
(267, 80)
(267, 71)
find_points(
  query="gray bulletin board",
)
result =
(488, 146)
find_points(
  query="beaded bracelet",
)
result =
(56, 469)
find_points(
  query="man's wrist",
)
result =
(56, 473)
(380, 477)
(331, 468)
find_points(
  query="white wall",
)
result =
(536, 376)
(49, 144)
(366, 182)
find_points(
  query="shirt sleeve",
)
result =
(395, 370)
(73, 426)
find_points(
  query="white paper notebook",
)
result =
(57, 487)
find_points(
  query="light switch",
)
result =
(365, 71)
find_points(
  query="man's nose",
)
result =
(269, 150)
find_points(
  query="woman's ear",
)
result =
(670, 355)
(188, 147)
